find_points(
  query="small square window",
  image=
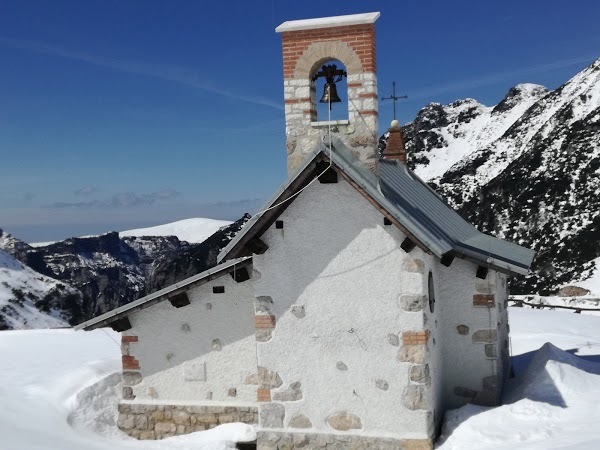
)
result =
(218, 289)
(279, 224)
(387, 221)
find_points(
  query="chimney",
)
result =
(307, 46)
(394, 148)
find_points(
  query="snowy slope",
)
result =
(463, 127)
(193, 230)
(572, 102)
(28, 299)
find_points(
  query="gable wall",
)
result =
(195, 354)
(332, 282)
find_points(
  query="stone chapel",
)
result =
(352, 312)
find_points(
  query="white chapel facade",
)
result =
(352, 313)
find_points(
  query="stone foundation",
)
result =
(308, 441)
(162, 421)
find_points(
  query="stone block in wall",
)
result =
(462, 330)
(415, 397)
(413, 265)
(131, 378)
(485, 336)
(263, 304)
(419, 373)
(271, 415)
(291, 394)
(412, 353)
(268, 378)
(300, 421)
(344, 421)
(412, 302)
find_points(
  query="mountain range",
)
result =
(526, 170)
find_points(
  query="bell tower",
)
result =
(308, 47)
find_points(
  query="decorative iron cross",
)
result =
(394, 97)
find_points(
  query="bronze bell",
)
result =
(330, 94)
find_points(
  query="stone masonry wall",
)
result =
(143, 421)
(304, 52)
(307, 441)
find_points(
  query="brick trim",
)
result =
(291, 101)
(368, 95)
(485, 300)
(130, 363)
(263, 395)
(354, 85)
(128, 339)
(369, 112)
(264, 321)
(415, 337)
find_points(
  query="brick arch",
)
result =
(319, 53)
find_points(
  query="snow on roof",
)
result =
(328, 22)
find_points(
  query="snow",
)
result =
(59, 390)
(592, 283)
(18, 280)
(326, 22)
(193, 230)
(466, 137)
(554, 402)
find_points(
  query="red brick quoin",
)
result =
(360, 37)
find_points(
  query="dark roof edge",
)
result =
(156, 297)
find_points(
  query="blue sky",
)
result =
(120, 114)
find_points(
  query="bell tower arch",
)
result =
(307, 46)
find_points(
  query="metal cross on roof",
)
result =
(394, 97)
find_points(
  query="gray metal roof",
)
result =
(411, 202)
(156, 297)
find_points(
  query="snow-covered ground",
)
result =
(193, 230)
(552, 403)
(59, 390)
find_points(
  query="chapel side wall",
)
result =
(470, 335)
(342, 347)
(503, 344)
(190, 368)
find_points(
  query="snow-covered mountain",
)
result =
(29, 299)
(193, 230)
(527, 170)
(109, 270)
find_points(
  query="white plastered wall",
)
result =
(336, 259)
(178, 352)
(464, 361)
